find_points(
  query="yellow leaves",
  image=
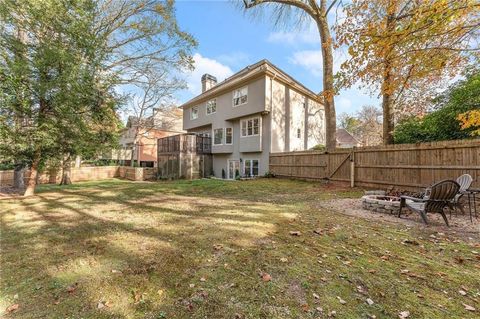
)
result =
(470, 119)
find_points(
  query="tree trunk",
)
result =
(66, 171)
(328, 89)
(388, 124)
(387, 92)
(32, 181)
(19, 177)
(78, 161)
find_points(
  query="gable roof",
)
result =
(262, 67)
(344, 137)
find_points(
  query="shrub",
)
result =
(318, 147)
(269, 175)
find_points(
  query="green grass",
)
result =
(197, 250)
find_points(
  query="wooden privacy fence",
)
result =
(405, 166)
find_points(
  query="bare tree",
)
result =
(318, 10)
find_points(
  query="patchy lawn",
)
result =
(214, 249)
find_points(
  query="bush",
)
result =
(269, 175)
(318, 147)
(6, 166)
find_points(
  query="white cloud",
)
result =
(312, 61)
(205, 65)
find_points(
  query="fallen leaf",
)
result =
(283, 260)
(100, 305)
(305, 307)
(71, 289)
(462, 292)
(266, 277)
(203, 279)
(411, 242)
(370, 301)
(318, 231)
(13, 307)
(404, 314)
(295, 233)
(468, 307)
(316, 296)
(341, 300)
(319, 309)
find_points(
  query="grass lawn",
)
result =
(215, 249)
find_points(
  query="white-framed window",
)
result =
(250, 167)
(250, 127)
(228, 135)
(211, 107)
(194, 113)
(240, 96)
(218, 136)
(299, 133)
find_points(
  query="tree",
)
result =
(470, 119)
(58, 83)
(48, 79)
(402, 46)
(365, 125)
(318, 10)
(443, 123)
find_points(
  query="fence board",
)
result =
(409, 166)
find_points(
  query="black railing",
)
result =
(186, 143)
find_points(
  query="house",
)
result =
(345, 139)
(138, 140)
(257, 111)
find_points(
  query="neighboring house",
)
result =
(345, 139)
(138, 140)
(256, 111)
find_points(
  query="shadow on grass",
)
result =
(146, 233)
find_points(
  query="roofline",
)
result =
(261, 68)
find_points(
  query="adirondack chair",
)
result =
(440, 195)
(465, 181)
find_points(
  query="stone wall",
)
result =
(89, 173)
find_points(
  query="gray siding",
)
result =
(282, 112)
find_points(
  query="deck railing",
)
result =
(185, 143)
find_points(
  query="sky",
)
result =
(229, 40)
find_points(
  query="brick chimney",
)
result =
(208, 81)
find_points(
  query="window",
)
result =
(228, 135)
(240, 96)
(250, 127)
(299, 133)
(218, 136)
(250, 168)
(194, 112)
(211, 107)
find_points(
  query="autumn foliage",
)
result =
(402, 49)
(470, 119)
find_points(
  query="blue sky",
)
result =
(229, 41)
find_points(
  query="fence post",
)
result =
(352, 168)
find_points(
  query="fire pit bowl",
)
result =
(381, 203)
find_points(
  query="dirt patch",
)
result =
(459, 224)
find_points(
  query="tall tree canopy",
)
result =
(445, 122)
(61, 63)
(405, 48)
(296, 11)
